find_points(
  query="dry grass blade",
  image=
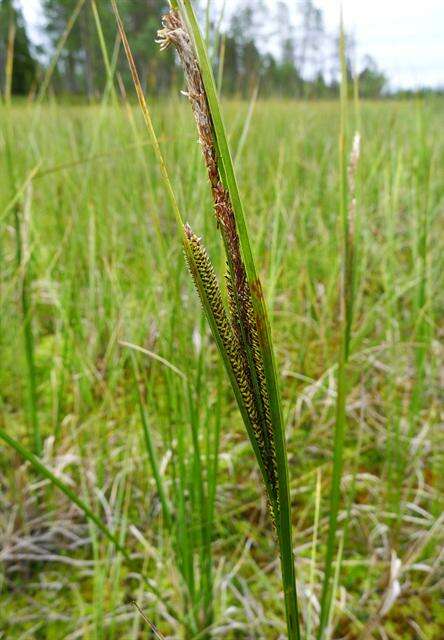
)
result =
(153, 628)
(146, 115)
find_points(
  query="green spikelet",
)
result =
(204, 277)
(207, 286)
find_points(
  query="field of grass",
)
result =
(152, 440)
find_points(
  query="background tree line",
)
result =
(285, 51)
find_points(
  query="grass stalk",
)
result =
(23, 256)
(21, 205)
(335, 585)
(313, 554)
(147, 117)
(421, 249)
(45, 472)
(396, 455)
(58, 51)
(346, 315)
(9, 61)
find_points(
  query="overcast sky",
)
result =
(405, 37)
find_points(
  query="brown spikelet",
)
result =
(262, 382)
(232, 303)
(244, 325)
(175, 33)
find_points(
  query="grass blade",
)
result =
(346, 306)
(150, 447)
(147, 116)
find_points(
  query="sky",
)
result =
(404, 37)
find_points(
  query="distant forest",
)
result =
(286, 52)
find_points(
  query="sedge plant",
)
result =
(240, 327)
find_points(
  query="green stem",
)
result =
(346, 304)
(150, 448)
(286, 554)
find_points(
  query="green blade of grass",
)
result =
(150, 447)
(49, 475)
(9, 60)
(23, 256)
(346, 305)
(147, 117)
(58, 51)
